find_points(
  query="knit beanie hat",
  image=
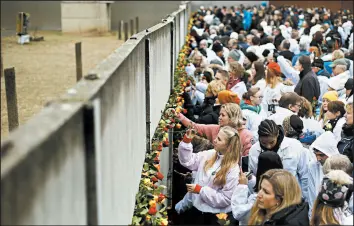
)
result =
(330, 95)
(251, 56)
(235, 55)
(318, 62)
(227, 96)
(234, 35)
(293, 125)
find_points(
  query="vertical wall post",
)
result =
(137, 24)
(131, 27)
(2, 66)
(78, 56)
(147, 92)
(120, 29)
(11, 98)
(172, 57)
(90, 165)
(126, 31)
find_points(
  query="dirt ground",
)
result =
(46, 69)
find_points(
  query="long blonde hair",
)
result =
(231, 156)
(286, 189)
(323, 214)
(234, 113)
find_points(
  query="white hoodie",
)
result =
(338, 82)
(327, 144)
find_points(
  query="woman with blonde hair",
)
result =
(216, 176)
(230, 115)
(331, 205)
(279, 201)
(326, 99)
(237, 81)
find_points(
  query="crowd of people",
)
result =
(269, 117)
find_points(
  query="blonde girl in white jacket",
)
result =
(216, 176)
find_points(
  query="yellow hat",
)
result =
(330, 95)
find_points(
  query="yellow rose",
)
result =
(164, 222)
(221, 216)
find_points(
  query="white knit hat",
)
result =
(234, 35)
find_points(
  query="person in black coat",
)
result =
(308, 86)
(286, 53)
(345, 145)
(278, 37)
(224, 97)
(279, 201)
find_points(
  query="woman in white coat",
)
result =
(274, 88)
(294, 157)
(216, 176)
(331, 205)
(252, 110)
(245, 193)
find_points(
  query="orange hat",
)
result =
(227, 96)
(274, 66)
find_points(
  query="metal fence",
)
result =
(79, 160)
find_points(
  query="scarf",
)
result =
(232, 82)
(247, 105)
(329, 126)
(279, 141)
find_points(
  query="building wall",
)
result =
(149, 12)
(46, 15)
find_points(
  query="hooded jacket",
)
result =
(292, 215)
(308, 86)
(327, 144)
(293, 156)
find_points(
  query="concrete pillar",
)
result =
(86, 16)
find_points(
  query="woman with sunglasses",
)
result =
(252, 110)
